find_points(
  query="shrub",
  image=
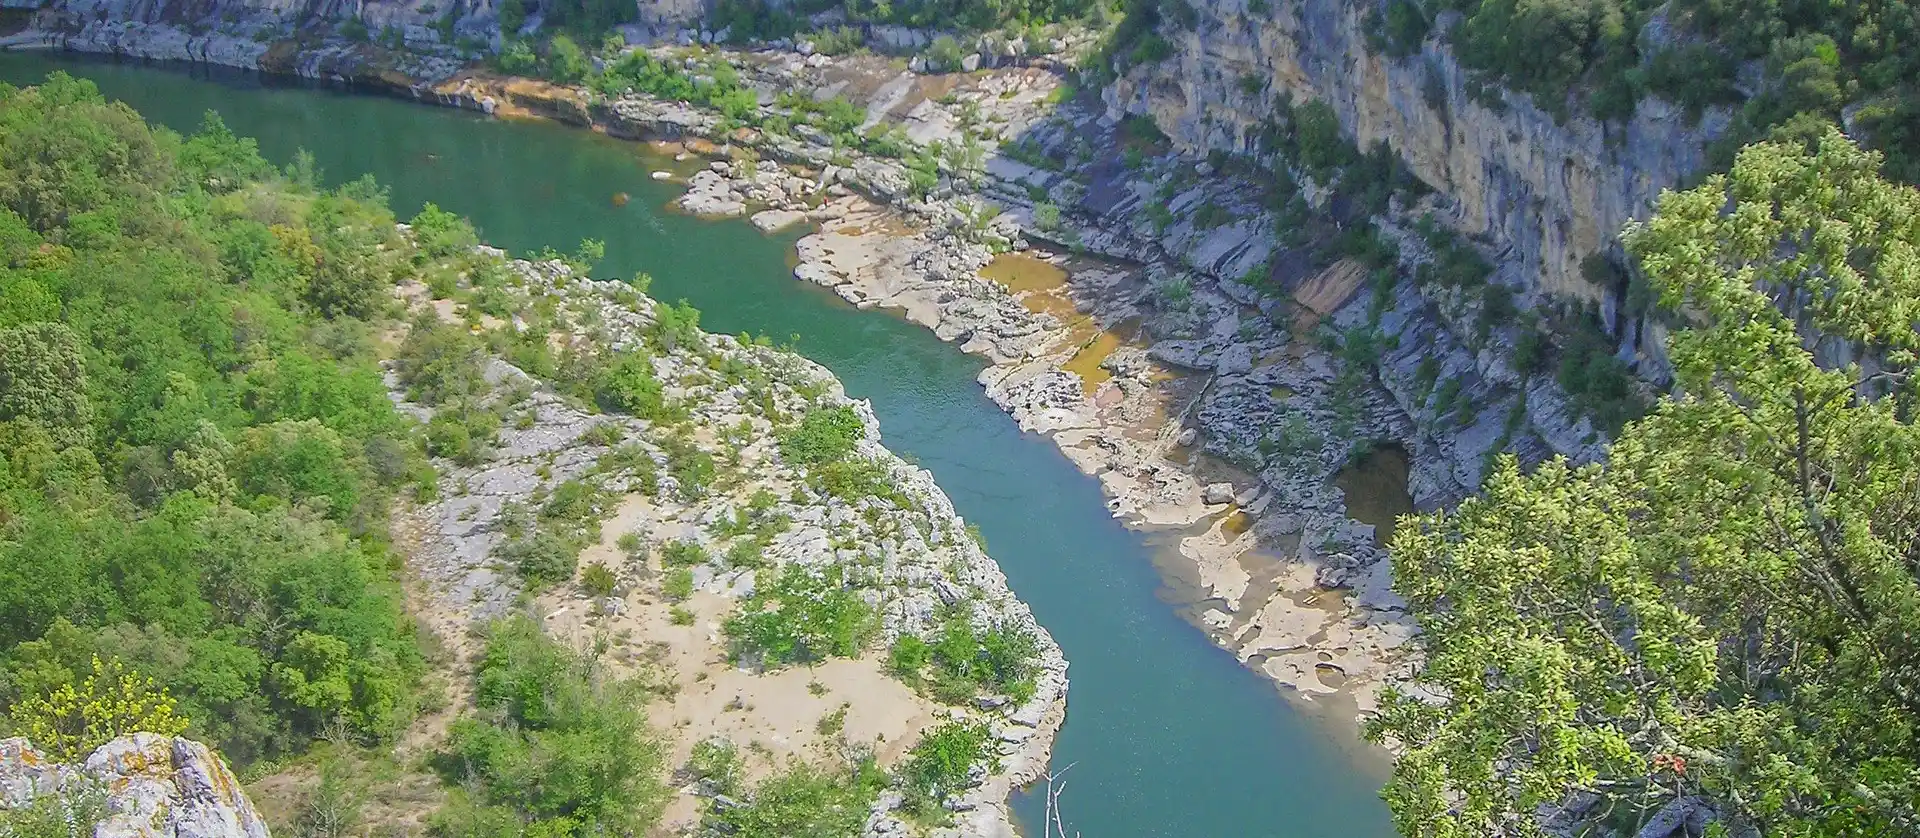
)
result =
(1001, 659)
(804, 800)
(598, 580)
(558, 743)
(628, 385)
(1400, 29)
(517, 58)
(541, 559)
(441, 234)
(678, 585)
(945, 54)
(746, 553)
(908, 657)
(801, 617)
(692, 468)
(823, 435)
(70, 721)
(683, 553)
(718, 762)
(1046, 216)
(939, 765)
(566, 62)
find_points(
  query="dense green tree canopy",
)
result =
(1723, 613)
(196, 449)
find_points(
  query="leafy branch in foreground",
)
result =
(1714, 622)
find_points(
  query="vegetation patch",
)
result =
(197, 453)
(804, 615)
(824, 435)
(558, 747)
(940, 766)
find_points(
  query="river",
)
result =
(1168, 736)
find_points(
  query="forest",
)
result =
(199, 450)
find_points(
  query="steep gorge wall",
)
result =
(1543, 194)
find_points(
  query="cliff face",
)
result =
(672, 12)
(294, 37)
(153, 785)
(1542, 193)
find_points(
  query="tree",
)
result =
(1715, 618)
(566, 62)
(43, 379)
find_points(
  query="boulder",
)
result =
(154, 785)
(771, 221)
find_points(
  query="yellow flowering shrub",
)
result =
(69, 721)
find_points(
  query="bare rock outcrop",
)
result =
(144, 785)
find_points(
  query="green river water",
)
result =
(1168, 735)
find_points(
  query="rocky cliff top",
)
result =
(143, 784)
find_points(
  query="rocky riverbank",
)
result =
(1131, 412)
(1175, 320)
(1269, 563)
(709, 496)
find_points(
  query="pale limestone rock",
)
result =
(155, 786)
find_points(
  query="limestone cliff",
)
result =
(303, 38)
(1542, 193)
(143, 784)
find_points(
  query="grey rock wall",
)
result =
(1541, 193)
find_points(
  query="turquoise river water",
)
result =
(1169, 736)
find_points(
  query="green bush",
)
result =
(628, 385)
(823, 435)
(682, 553)
(802, 616)
(908, 657)
(441, 234)
(566, 62)
(939, 764)
(692, 468)
(598, 580)
(746, 553)
(804, 800)
(1320, 145)
(542, 559)
(678, 584)
(1003, 659)
(718, 762)
(944, 54)
(558, 743)
(1046, 216)
(1400, 29)
(465, 441)
(517, 58)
